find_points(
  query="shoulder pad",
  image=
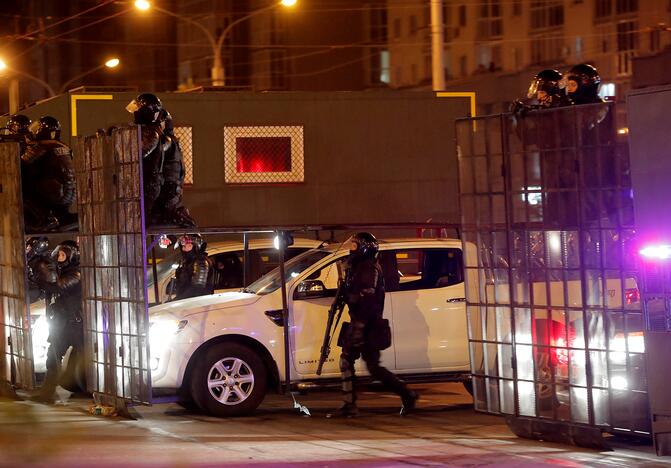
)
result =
(150, 139)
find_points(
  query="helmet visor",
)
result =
(133, 106)
(533, 88)
(34, 127)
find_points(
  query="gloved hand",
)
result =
(518, 108)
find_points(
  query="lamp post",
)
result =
(437, 46)
(111, 63)
(14, 85)
(218, 73)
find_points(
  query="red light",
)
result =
(561, 354)
(263, 154)
(632, 296)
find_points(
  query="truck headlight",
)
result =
(40, 336)
(160, 334)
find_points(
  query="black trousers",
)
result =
(70, 334)
(349, 356)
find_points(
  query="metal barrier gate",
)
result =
(113, 266)
(555, 322)
(16, 363)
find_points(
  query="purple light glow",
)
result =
(656, 252)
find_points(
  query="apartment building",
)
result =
(494, 47)
(316, 45)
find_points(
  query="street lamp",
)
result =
(14, 85)
(111, 63)
(217, 72)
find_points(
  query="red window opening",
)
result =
(631, 296)
(263, 154)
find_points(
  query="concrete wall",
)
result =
(378, 157)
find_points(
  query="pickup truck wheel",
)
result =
(229, 380)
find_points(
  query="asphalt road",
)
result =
(445, 431)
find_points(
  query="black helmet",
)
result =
(47, 128)
(364, 245)
(71, 250)
(549, 81)
(588, 81)
(19, 124)
(146, 109)
(195, 239)
(36, 246)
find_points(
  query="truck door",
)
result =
(429, 310)
(309, 320)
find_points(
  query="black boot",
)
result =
(181, 217)
(409, 403)
(347, 410)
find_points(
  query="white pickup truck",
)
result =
(225, 351)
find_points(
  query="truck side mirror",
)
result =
(310, 289)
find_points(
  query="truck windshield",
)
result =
(294, 267)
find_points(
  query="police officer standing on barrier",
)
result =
(18, 129)
(61, 280)
(547, 89)
(162, 165)
(583, 84)
(194, 275)
(367, 333)
(48, 179)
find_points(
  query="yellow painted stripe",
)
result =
(83, 97)
(467, 94)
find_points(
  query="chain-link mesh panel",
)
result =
(16, 363)
(555, 323)
(263, 154)
(113, 265)
(185, 137)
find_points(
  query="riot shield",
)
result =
(554, 313)
(16, 364)
(113, 265)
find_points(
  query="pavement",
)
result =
(445, 431)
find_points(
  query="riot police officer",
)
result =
(19, 124)
(583, 84)
(367, 332)
(162, 166)
(194, 274)
(48, 179)
(18, 129)
(546, 89)
(61, 280)
(37, 258)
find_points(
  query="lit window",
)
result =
(263, 154)
(606, 90)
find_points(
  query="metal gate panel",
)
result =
(16, 364)
(554, 316)
(113, 265)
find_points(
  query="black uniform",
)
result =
(62, 284)
(194, 275)
(161, 162)
(162, 165)
(367, 333)
(49, 189)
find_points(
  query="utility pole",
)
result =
(14, 98)
(437, 45)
